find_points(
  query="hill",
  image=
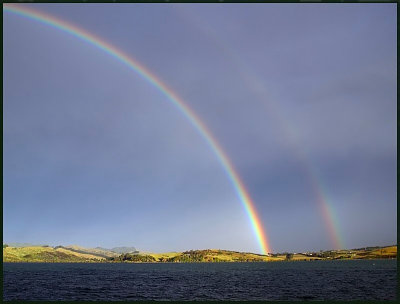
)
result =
(47, 255)
(209, 255)
(19, 245)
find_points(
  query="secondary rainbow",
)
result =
(253, 83)
(171, 96)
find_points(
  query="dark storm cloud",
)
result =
(289, 91)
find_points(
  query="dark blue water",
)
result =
(318, 280)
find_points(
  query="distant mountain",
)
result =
(119, 250)
(124, 250)
(98, 251)
(103, 251)
(101, 248)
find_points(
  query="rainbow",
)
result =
(254, 84)
(133, 64)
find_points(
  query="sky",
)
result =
(301, 97)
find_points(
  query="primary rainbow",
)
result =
(172, 97)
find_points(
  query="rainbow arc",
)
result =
(233, 176)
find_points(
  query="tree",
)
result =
(289, 256)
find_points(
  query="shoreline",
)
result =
(226, 262)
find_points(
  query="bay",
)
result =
(316, 280)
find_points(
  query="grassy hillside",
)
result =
(46, 254)
(215, 255)
(386, 252)
(357, 254)
(209, 255)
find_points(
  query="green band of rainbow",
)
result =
(171, 96)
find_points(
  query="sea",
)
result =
(291, 280)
